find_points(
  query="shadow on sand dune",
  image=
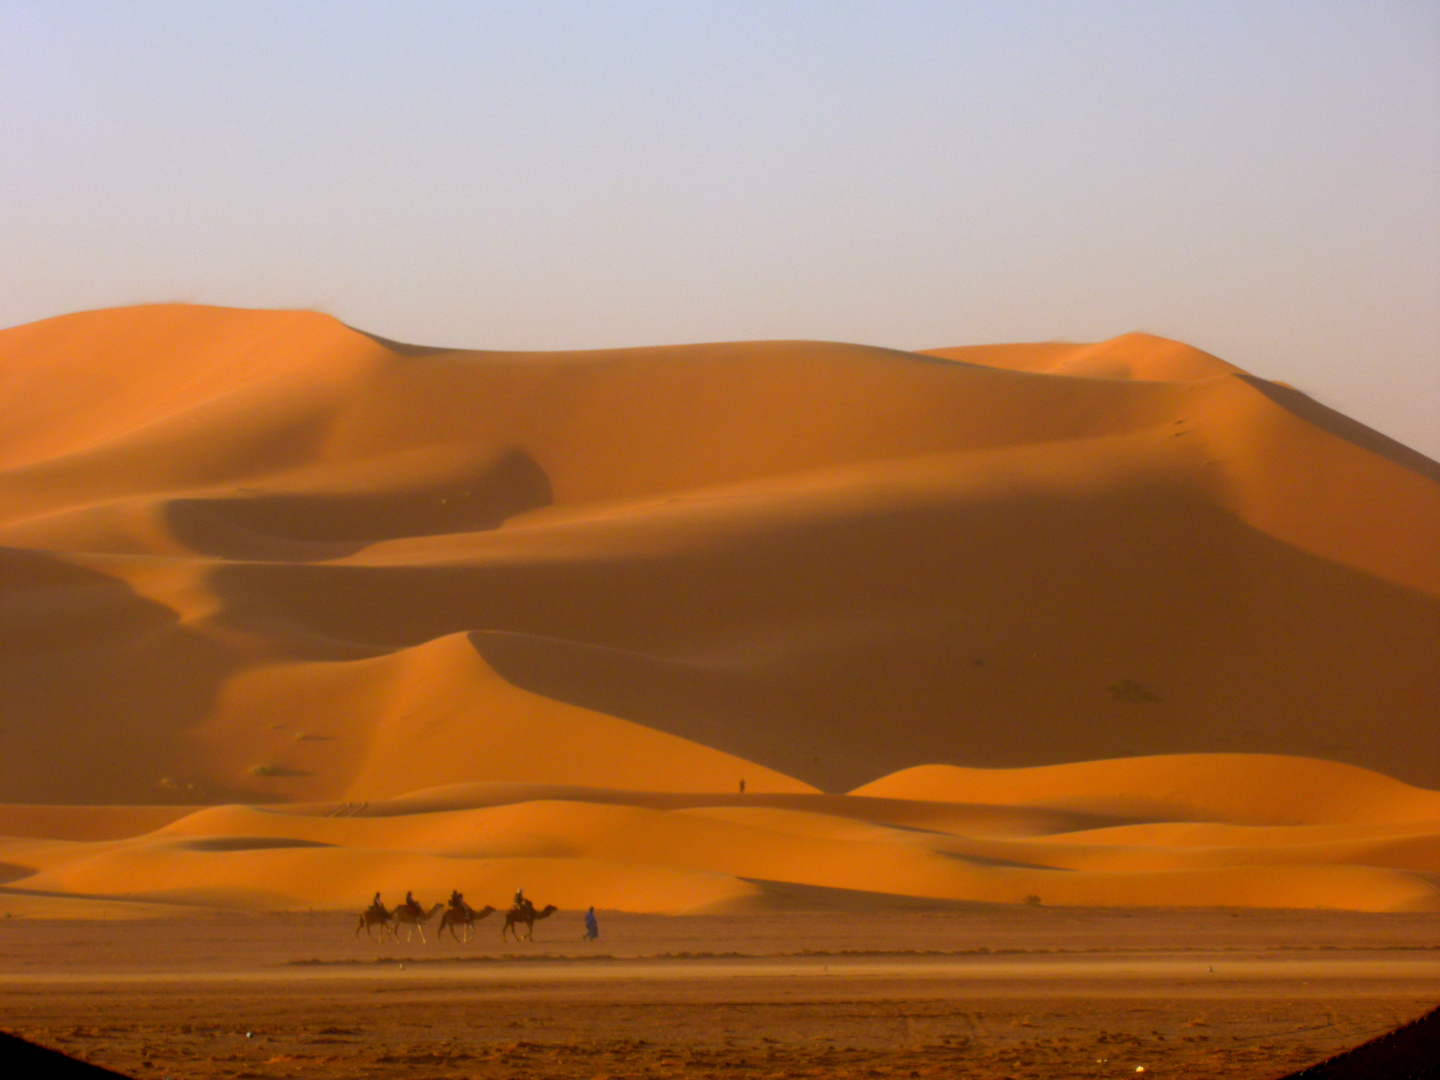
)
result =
(307, 527)
(986, 634)
(96, 685)
(1230, 632)
(1336, 423)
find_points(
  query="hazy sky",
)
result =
(1258, 179)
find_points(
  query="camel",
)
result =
(376, 916)
(464, 916)
(527, 915)
(413, 919)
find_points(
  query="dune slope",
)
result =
(668, 852)
(261, 557)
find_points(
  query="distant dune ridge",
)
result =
(1113, 623)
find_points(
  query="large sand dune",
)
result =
(1116, 623)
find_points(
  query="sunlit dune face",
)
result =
(1099, 624)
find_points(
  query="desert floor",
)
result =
(979, 992)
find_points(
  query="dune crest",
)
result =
(1239, 789)
(1138, 356)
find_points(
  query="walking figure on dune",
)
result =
(592, 927)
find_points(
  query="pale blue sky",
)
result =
(1259, 179)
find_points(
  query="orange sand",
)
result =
(1174, 621)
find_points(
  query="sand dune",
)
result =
(1239, 789)
(1143, 357)
(665, 852)
(1077, 611)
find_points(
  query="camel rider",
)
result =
(457, 901)
(376, 905)
(519, 899)
(411, 904)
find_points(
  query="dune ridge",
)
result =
(1236, 789)
(1120, 605)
